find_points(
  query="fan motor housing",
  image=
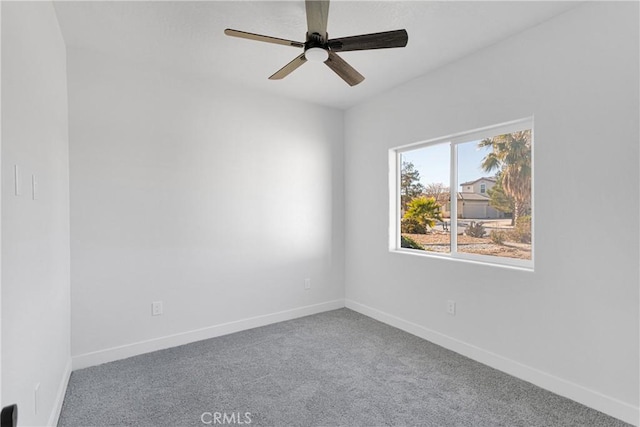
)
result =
(316, 40)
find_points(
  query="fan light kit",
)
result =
(316, 54)
(319, 48)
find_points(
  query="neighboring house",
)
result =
(473, 200)
(479, 186)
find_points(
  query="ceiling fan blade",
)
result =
(317, 16)
(344, 70)
(261, 38)
(387, 39)
(289, 68)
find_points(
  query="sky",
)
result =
(433, 162)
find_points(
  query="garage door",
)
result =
(474, 210)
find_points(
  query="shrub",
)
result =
(524, 219)
(412, 226)
(475, 229)
(424, 210)
(498, 236)
(521, 233)
(408, 242)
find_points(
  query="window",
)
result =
(467, 196)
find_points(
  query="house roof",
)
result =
(472, 196)
(484, 178)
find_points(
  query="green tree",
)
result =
(410, 186)
(511, 155)
(499, 200)
(423, 210)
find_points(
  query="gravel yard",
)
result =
(439, 242)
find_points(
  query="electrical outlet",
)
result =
(307, 284)
(156, 308)
(451, 307)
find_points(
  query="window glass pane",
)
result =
(496, 221)
(424, 198)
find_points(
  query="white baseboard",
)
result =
(134, 349)
(62, 390)
(578, 393)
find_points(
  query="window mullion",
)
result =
(453, 197)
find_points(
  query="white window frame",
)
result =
(395, 169)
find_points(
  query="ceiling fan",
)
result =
(319, 48)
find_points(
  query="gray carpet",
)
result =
(332, 369)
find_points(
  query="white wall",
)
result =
(1, 207)
(572, 325)
(35, 238)
(213, 199)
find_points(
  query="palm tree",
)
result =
(511, 154)
(424, 210)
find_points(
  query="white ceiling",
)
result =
(188, 37)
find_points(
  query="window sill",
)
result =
(484, 260)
